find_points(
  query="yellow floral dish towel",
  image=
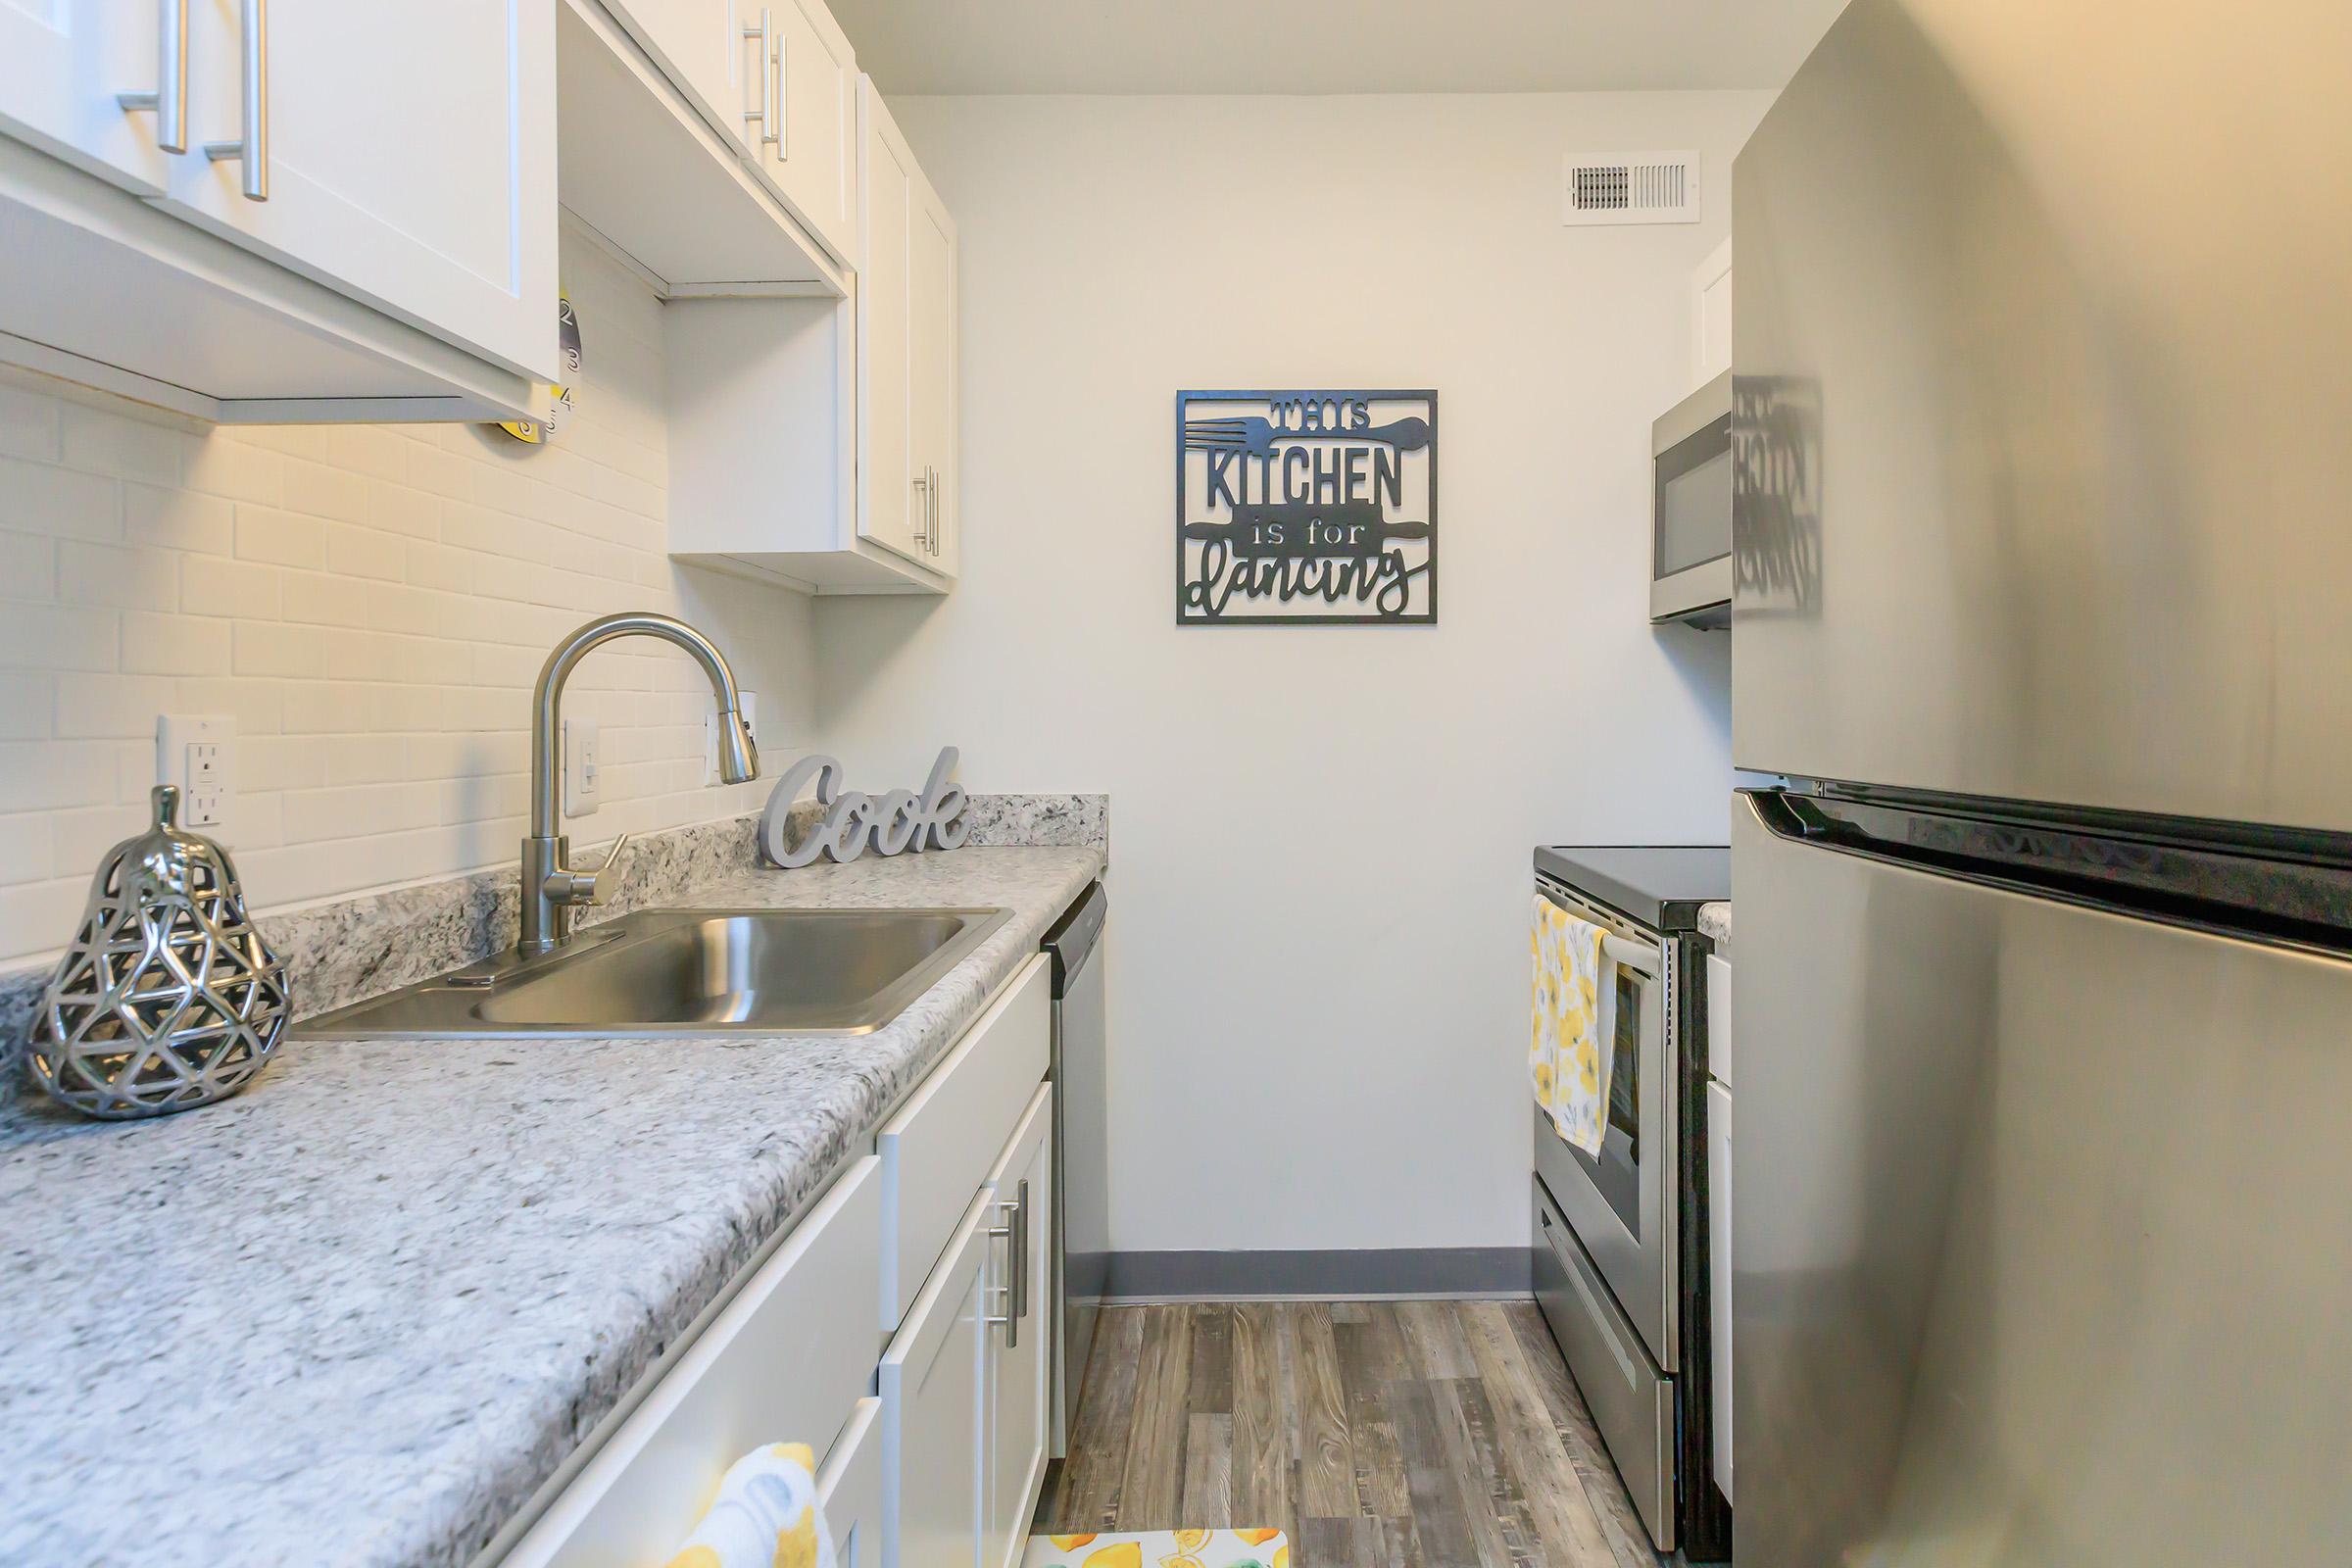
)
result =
(1221, 1548)
(765, 1517)
(1565, 1060)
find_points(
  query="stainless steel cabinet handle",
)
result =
(931, 510)
(765, 114)
(254, 90)
(1021, 1247)
(1013, 1234)
(922, 514)
(782, 123)
(169, 100)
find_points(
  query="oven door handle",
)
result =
(1639, 955)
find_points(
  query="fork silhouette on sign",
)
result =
(1258, 438)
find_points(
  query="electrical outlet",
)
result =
(197, 752)
(583, 767)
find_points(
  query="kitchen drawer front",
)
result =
(936, 1150)
(849, 1488)
(787, 1360)
(1631, 1402)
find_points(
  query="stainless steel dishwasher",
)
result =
(1081, 1147)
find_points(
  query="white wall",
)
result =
(373, 603)
(1320, 837)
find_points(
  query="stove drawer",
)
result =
(1631, 1402)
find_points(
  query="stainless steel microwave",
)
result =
(1690, 509)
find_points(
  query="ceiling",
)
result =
(1329, 47)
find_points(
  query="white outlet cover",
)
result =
(583, 767)
(198, 752)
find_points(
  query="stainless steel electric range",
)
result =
(1621, 1239)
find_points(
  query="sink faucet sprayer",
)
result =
(551, 887)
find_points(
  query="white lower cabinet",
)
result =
(849, 1488)
(1020, 1346)
(933, 1459)
(933, 1383)
(787, 1359)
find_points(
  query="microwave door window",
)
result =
(1693, 506)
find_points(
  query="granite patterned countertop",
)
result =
(1715, 923)
(358, 1314)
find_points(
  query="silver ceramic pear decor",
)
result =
(168, 998)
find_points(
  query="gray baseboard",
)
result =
(1367, 1274)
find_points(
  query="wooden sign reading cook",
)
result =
(852, 823)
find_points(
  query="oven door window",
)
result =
(1617, 1170)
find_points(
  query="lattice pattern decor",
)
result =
(168, 998)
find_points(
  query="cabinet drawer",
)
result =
(787, 1360)
(936, 1150)
(849, 1488)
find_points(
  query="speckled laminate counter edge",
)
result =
(1715, 924)
(344, 950)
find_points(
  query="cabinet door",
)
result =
(811, 160)
(62, 63)
(934, 372)
(412, 165)
(890, 507)
(699, 46)
(932, 1385)
(1020, 1348)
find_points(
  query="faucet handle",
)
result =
(570, 885)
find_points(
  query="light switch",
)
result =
(197, 752)
(583, 768)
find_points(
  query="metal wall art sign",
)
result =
(850, 824)
(1307, 508)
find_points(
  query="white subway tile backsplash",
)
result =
(242, 590)
(41, 499)
(114, 575)
(282, 538)
(372, 605)
(27, 565)
(178, 519)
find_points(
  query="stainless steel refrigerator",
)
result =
(2042, 605)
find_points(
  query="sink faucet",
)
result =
(552, 888)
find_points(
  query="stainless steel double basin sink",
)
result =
(690, 972)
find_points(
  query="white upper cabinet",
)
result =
(810, 150)
(369, 234)
(778, 78)
(893, 505)
(410, 164)
(699, 46)
(64, 64)
(812, 441)
(907, 348)
(932, 308)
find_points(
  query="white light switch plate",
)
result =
(197, 752)
(583, 767)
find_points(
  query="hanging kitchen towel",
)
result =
(1565, 1058)
(765, 1517)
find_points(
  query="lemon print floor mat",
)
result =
(1223, 1548)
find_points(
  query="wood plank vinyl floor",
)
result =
(1381, 1433)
